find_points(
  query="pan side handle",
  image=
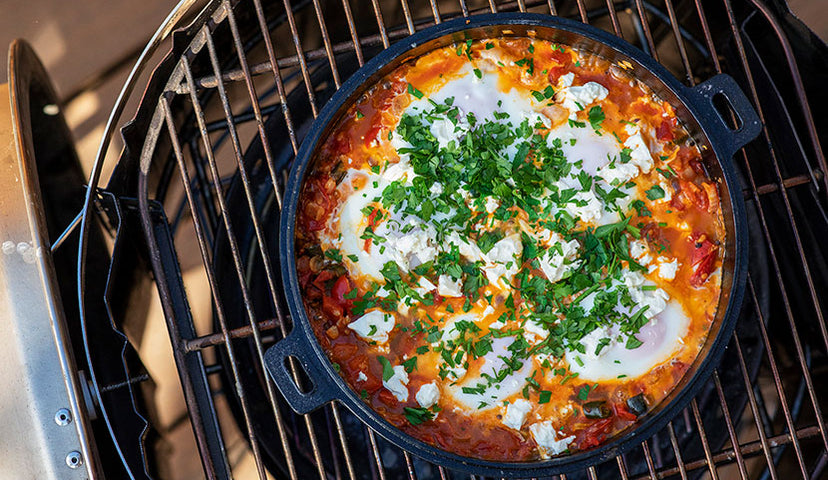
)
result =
(295, 351)
(731, 140)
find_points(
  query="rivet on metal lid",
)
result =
(63, 417)
(74, 459)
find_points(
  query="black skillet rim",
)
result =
(337, 389)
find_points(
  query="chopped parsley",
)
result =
(596, 117)
(655, 192)
(413, 91)
(387, 369)
(418, 415)
(333, 254)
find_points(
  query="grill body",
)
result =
(196, 194)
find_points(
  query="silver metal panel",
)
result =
(41, 421)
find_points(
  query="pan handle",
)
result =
(277, 361)
(749, 124)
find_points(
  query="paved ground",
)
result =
(78, 39)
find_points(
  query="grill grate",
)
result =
(209, 161)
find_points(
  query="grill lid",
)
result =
(44, 420)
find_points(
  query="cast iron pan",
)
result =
(694, 108)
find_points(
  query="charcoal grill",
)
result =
(196, 191)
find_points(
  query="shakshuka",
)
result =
(510, 248)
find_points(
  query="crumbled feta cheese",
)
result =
(585, 206)
(618, 173)
(578, 98)
(632, 279)
(516, 413)
(397, 383)
(428, 395)
(496, 325)
(655, 299)
(436, 189)
(645, 259)
(547, 439)
(426, 284)
(591, 340)
(408, 246)
(468, 250)
(668, 192)
(501, 261)
(448, 287)
(445, 132)
(404, 305)
(362, 377)
(536, 329)
(555, 264)
(491, 204)
(373, 326)
(638, 248)
(639, 153)
(506, 249)
(449, 330)
(667, 270)
(399, 171)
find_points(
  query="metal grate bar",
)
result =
(777, 379)
(799, 88)
(797, 342)
(349, 19)
(676, 451)
(645, 27)
(277, 76)
(464, 8)
(257, 225)
(349, 464)
(622, 467)
(443, 473)
(297, 45)
(236, 75)
(645, 447)
(199, 114)
(616, 26)
(201, 437)
(327, 42)
(409, 22)
(435, 11)
(685, 61)
(731, 430)
(727, 455)
(409, 465)
(763, 438)
(708, 454)
(238, 262)
(593, 475)
(582, 11)
(375, 450)
(788, 208)
(380, 23)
